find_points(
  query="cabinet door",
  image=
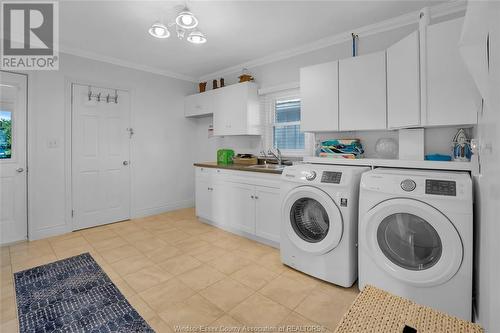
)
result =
(268, 213)
(319, 97)
(362, 92)
(452, 96)
(230, 110)
(204, 198)
(241, 207)
(198, 104)
(403, 83)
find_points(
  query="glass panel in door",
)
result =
(309, 220)
(409, 241)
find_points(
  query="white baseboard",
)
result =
(164, 208)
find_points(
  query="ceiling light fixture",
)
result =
(196, 37)
(186, 19)
(184, 25)
(159, 30)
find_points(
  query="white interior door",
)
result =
(100, 157)
(13, 202)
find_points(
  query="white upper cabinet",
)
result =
(237, 110)
(319, 98)
(403, 83)
(362, 92)
(452, 97)
(198, 104)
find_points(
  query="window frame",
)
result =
(270, 101)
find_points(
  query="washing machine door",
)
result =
(312, 220)
(412, 241)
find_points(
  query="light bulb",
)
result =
(187, 19)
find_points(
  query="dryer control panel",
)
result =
(441, 187)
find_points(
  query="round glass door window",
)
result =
(310, 220)
(409, 241)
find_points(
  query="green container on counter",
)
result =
(225, 156)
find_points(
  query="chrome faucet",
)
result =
(276, 155)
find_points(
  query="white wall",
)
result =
(161, 154)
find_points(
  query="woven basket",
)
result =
(377, 311)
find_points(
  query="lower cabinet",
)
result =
(239, 207)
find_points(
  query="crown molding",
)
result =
(124, 63)
(447, 8)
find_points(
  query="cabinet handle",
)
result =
(256, 197)
(252, 197)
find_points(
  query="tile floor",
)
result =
(177, 271)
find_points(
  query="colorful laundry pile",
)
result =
(341, 148)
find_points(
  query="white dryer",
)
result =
(319, 221)
(415, 236)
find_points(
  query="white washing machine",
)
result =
(415, 236)
(319, 221)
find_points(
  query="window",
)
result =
(286, 125)
(5, 134)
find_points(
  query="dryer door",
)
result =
(412, 241)
(312, 220)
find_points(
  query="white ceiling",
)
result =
(237, 31)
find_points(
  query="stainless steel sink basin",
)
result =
(268, 166)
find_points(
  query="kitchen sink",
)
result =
(268, 166)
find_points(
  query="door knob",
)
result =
(125, 162)
(19, 170)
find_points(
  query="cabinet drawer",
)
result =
(198, 104)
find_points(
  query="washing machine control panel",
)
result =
(441, 187)
(331, 177)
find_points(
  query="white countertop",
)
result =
(376, 162)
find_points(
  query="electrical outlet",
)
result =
(52, 143)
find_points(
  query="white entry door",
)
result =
(100, 156)
(13, 201)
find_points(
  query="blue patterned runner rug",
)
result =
(73, 295)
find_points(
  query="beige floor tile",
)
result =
(31, 252)
(146, 278)
(109, 243)
(252, 251)
(226, 293)
(214, 235)
(163, 253)
(229, 263)
(124, 228)
(68, 244)
(141, 307)
(124, 288)
(24, 245)
(226, 323)
(8, 310)
(210, 253)
(7, 290)
(299, 276)
(74, 251)
(197, 229)
(98, 234)
(118, 253)
(131, 264)
(286, 291)
(5, 257)
(34, 262)
(294, 322)
(326, 306)
(166, 293)
(195, 311)
(172, 236)
(258, 310)
(272, 261)
(149, 244)
(230, 242)
(254, 276)
(190, 244)
(6, 274)
(10, 326)
(135, 237)
(201, 277)
(158, 325)
(180, 264)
